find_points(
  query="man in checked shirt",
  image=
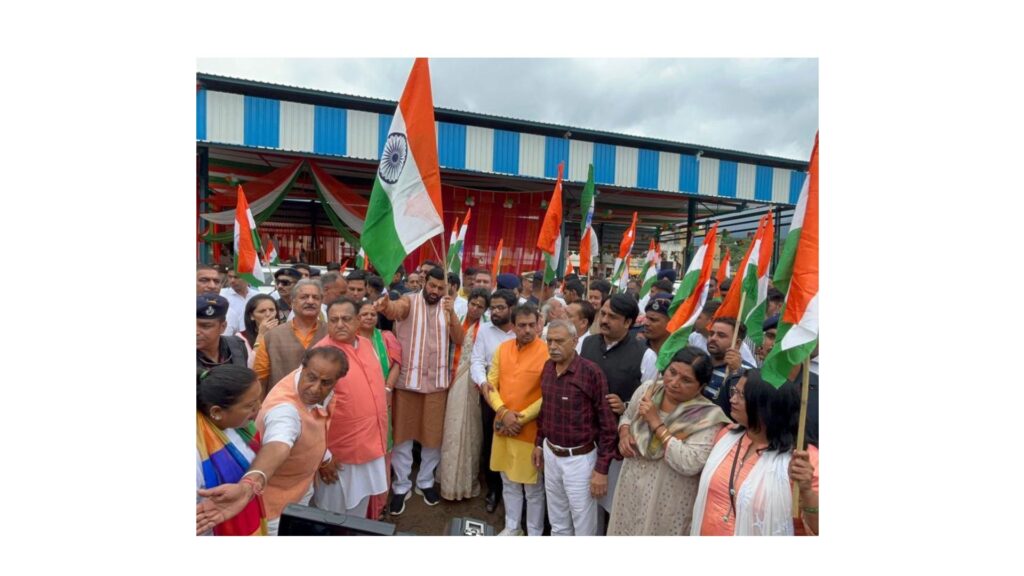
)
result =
(574, 420)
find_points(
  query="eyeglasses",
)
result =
(735, 392)
(285, 282)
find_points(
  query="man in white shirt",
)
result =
(488, 339)
(238, 295)
(461, 305)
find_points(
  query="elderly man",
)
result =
(576, 435)
(280, 350)
(212, 347)
(425, 325)
(357, 436)
(335, 286)
(414, 282)
(293, 425)
(238, 295)
(207, 279)
(491, 335)
(516, 399)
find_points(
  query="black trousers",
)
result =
(487, 419)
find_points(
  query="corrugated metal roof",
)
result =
(313, 96)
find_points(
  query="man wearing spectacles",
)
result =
(491, 335)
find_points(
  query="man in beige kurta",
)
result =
(425, 325)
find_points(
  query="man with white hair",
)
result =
(279, 351)
(576, 435)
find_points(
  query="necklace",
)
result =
(732, 477)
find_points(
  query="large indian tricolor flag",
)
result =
(589, 245)
(550, 239)
(405, 204)
(247, 244)
(690, 299)
(798, 327)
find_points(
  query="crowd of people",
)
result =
(543, 397)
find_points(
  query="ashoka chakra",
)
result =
(396, 150)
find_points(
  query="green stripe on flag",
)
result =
(784, 270)
(380, 238)
(780, 363)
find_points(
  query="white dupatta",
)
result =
(764, 500)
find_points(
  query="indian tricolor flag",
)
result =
(458, 244)
(452, 248)
(724, 270)
(691, 297)
(496, 267)
(405, 204)
(754, 318)
(620, 274)
(589, 245)
(743, 290)
(550, 240)
(649, 274)
(362, 262)
(798, 327)
(247, 244)
(271, 251)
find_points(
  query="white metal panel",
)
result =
(531, 155)
(581, 156)
(296, 127)
(225, 117)
(362, 134)
(708, 180)
(746, 175)
(479, 149)
(626, 161)
(780, 185)
(668, 171)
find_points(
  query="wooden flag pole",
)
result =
(802, 428)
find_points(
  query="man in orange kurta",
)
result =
(357, 436)
(515, 377)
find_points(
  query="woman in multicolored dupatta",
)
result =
(463, 431)
(227, 399)
(389, 352)
(666, 435)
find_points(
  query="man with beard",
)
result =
(212, 348)
(491, 335)
(279, 351)
(425, 325)
(656, 328)
(357, 435)
(574, 290)
(625, 361)
(724, 359)
(483, 280)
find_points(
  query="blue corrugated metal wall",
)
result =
(796, 182)
(689, 173)
(201, 114)
(556, 150)
(330, 130)
(647, 169)
(383, 127)
(604, 163)
(506, 152)
(727, 179)
(763, 184)
(451, 145)
(262, 122)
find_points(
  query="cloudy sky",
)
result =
(761, 106)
